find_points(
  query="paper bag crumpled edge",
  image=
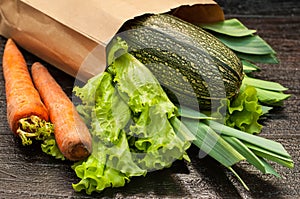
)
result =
(66, 47)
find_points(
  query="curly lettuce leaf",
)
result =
(50, 147)
(139, 87)
(244, 111)
(109, 113)
(88, 94)
(107, 166)
(128, 113)
(157, 140)
(152, 110)
(111, 163)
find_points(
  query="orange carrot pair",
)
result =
(25, 110)
(29, 109)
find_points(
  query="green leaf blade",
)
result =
(258, 141)
(213, 144)
(246, 152)
(249, 67)
(266, 109)
(232, 27)
(269, 168)
(271, 98)
(192, 114)
(265, 59)
(251, 157)
(283, 160)
(263, 84)
(250, 44)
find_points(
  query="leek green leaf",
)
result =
(266, 59)
(266, 109)
(263, 84)
(182, 131)
(270, 155)
(271, 98)
(231, 27)
(258, 141)
(258, 162)
(249, 67)
(212, 143)
(250, 44)
(239, 178)
(269, 168)
(192, 114)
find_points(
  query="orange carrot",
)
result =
(71, 134)
(26, 114)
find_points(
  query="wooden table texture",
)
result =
(26, 172)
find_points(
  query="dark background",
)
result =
(265, 8)
(27, 172)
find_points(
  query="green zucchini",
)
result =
(193, 66)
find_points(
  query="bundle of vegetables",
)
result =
(117, 105)
(27, 116)
(257, 95)
(128, 112)
(130, 117)
(142, 111)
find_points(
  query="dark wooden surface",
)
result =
(28, 173)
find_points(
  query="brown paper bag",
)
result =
(64, 33)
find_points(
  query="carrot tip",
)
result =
(34, 127)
